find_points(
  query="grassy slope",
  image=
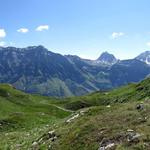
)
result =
(24, 117)
(101, 123)
(131, 92)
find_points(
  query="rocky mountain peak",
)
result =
(107, 58)
(144, 57)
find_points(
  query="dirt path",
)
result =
(62, 108)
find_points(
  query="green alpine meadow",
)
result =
(117, 119)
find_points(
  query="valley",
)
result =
(117, 119)
(74, 75)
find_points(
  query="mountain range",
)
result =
(35, 69)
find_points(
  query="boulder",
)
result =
(132, 136)
(140, 107)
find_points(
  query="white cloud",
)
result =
(2, 33)
(23, 30)
(2, 43)
(116, 35)
(148, 44)
(42, 27)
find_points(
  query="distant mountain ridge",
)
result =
(145, 57)
(36, 70)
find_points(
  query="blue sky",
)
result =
(80, 27)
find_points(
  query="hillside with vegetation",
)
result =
(117, 119)
(24, 117)
(129, 93)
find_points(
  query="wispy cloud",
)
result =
(116, 35)
(148, 44)
(2, 43)
(2, 33)
(23, 30)
(42, 27)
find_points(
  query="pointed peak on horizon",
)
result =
(107, 58)
(144, 57)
